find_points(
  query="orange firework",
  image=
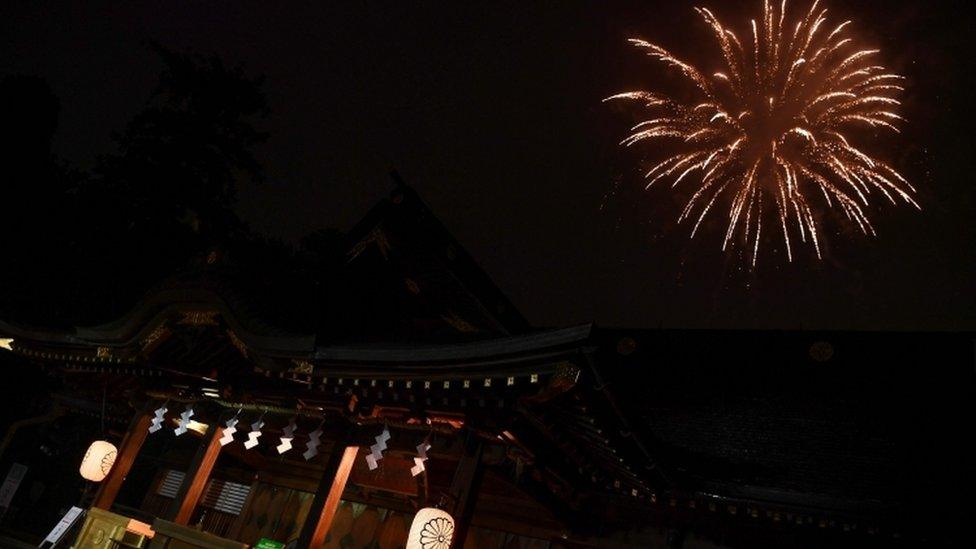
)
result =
(769, 131)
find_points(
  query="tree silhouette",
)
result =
(37, 191)
(88, 245)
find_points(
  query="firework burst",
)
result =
(767, 140)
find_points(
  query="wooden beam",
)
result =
(464, 487)
(326, 501)
(197, 475)
(128, 450)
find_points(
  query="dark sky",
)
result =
(492, 112)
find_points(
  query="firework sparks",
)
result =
(768, 134)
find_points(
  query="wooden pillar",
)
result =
(196, 477)
(327, 497)
(464, 487)
(128, 450)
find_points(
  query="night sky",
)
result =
(493, 112)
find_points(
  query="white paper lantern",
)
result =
(98, 460)
(431, 529)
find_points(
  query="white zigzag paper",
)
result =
(184, 420)
(157, 422)
(229, 430)
(376, 450)
(287, 435)
(313, 444)
(252, 437)
(419, 466)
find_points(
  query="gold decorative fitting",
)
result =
(302, 366)
(372, 383)
(411, 286)
(626, 346)
(821, 351)
(466, 383)
(103, 352)
(241, 347)
(487, 382)
(390, 384)
(534, 378)
(510, 381)
(459, 323)
(355, 382)
(376, 236)
(199, 318)
(447, 384)
(409, 384)
(155, 336)
(426, 385)
(566, 372)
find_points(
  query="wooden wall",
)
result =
(272, 512)
(278, 512)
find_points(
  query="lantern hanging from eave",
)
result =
(98, 460)
(431, 529)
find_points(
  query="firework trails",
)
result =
(768, 139)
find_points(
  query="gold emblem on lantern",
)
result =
(437, 534)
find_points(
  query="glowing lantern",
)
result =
(431, 529)
(98, 460)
